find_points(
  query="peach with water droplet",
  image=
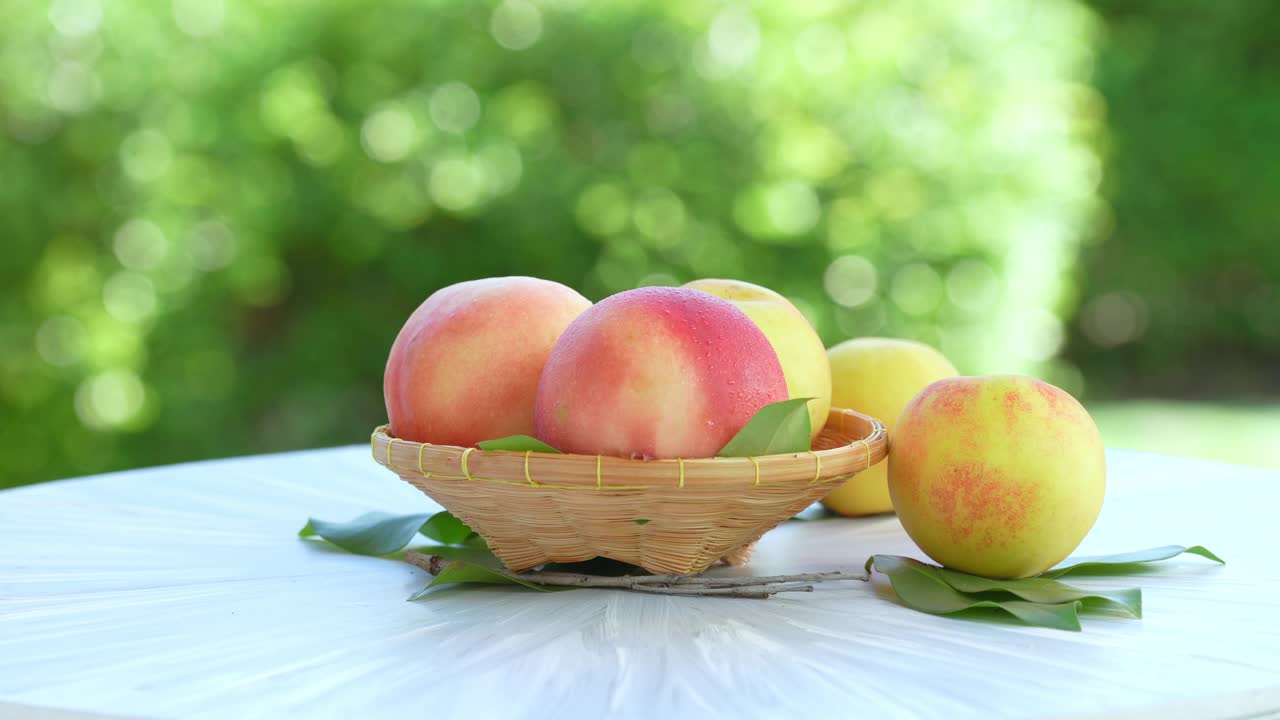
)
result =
(656, 372)
(800, 350)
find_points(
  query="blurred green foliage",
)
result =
(1182, 296)
(217, 214)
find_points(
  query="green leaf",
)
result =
(461, 571)
(776, 428)
(642, 521)
(444, 527)
(379, 533)
(1126, 562)
(1044, 590)
(375, 533)
(517, 443)
(921, 588)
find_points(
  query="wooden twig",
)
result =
(761, 579)
(759, 592)
(433, 564)
(745, 587)
(580, 580)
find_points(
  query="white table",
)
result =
(183, 591)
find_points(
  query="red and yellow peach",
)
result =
(656, 373)
(466, 364)
(1000, 476)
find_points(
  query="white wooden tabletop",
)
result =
(183, 591)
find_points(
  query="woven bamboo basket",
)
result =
(667, 516)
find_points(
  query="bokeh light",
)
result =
(110, 399)
(75, 18)
(140, 245)
(61, 340)
(820, 49)
(454, 107)
(146, 155)
(516, 24)
(1114, 319)
(456, 182)
(199, 18)
(916, 289)
(603, 209)
(388, 134)
(973, 285)
(212, 245)
(850, 280)
(73, 88)
(734, 38)
(129, 297)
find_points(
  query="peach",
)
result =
(800, 350)
(656, 372)
(1000, 476)
(878, 376)
(466, 364)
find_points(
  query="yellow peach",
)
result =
(878, 377)
(1000, 476)
(800, 350)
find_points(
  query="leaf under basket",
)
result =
(533, 508)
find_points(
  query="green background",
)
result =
(216, 214)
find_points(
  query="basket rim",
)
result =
(863, 442)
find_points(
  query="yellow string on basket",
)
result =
(547, 486)
(527, 478)
(530, 482)
(521, 483)
(421, 469)
(465, 454)
(390, 444)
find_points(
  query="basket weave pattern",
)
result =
(534, 508)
